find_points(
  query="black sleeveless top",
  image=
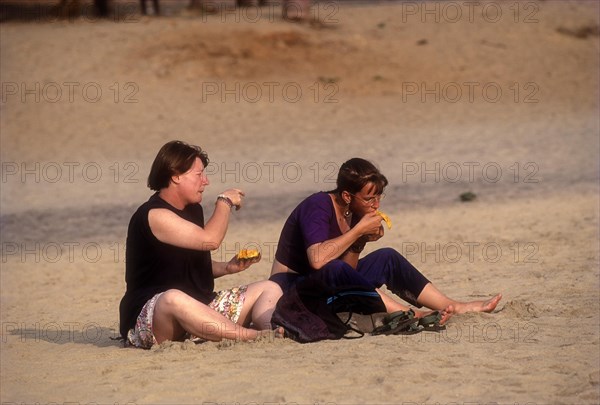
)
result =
(152, 266)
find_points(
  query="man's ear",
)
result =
(175, 179)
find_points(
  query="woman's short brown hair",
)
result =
(355, 173)
(174, 158)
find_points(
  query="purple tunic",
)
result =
(313, 221)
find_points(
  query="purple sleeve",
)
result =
(315, 219)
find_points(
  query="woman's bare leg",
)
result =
(392, 305)
(433, 298)
(176, 313)
(261, 298)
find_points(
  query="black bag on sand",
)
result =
(311, 311)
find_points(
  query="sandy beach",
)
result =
(499, 99)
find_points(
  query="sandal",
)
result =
(397, 323)
(431, 322)
(405, 323)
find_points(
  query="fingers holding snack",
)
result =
(244, 259)
(369, 223)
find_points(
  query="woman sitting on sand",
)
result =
(169, 271)
(324, 236)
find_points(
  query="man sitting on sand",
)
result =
(169, 271)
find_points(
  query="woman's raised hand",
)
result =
(370, 226)
(235, 195)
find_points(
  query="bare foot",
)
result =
(447, 314)
(478, 306)
(276, 333)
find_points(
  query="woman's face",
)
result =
(366, 200)
(193, 182)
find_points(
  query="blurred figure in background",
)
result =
(155, 5)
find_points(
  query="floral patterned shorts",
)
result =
(228, 303)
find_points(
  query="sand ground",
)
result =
(497, 98)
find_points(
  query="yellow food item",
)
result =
(245, 254)
(387, 219)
